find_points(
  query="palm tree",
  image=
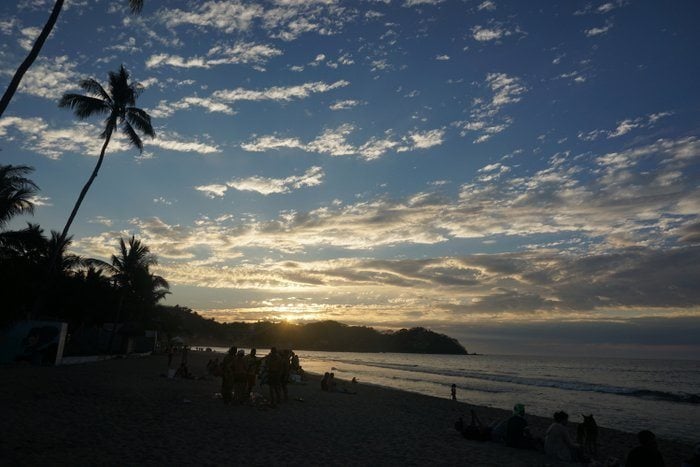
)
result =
(135, 5)
(118, 105)
(131, 269)
(16, 192)
(138, 288)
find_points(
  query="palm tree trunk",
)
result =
(33, 54)
(85, 189)
(38, 303)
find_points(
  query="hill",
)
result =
(323, 335)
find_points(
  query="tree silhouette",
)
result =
(119, 106)
(131, 273)
(135, 5)
(16, 192)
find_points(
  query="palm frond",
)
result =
(139, 119)
(93, 87)
(84, 106)
(136, 6)
(123, 94)
(130, 133)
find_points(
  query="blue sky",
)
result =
(520, 175)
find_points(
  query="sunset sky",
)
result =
(523, 176)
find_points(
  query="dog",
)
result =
(587, 435)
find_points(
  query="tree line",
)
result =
(37, 268)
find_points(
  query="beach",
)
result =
(123, 412)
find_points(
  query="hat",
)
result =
(519, 409)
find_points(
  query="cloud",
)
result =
(50, 78)
(175, 142)
(625, 126)
(592, 32)
(483, 34)
(282, 20)
(545, 284)
(334, 142)
(411, 3)
(267, 186)
(344, 105)
(427, 139)
(487, 5)
(229, 17)
(484, 116)
(83, 138)
(238, 53)
(219, 100)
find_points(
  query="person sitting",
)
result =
(517, 432)
(558, 443)
(647, 453)
(476, 430)
(182, 371)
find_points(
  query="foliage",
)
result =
(323, 335)
(16, 192)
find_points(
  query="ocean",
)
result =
(625, 394)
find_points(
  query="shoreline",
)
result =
(123, 412)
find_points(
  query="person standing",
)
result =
(252, 365)
(227, 375)
(240, 377)
(454, 392)
(274, 373)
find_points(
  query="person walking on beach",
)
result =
(454, 392)
(274, 373)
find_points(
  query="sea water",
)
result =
(625, 394)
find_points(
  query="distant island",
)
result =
(323, 335)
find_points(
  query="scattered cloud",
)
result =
(266, 186)
(334, 142)
(220, 100)
(485, 118)
(597, 31)
(238, 53)
(34, 134)
(625, 126)
(344, 104)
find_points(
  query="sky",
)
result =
(522, 176)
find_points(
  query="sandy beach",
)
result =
(123, 412)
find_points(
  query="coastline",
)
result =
(123, 412)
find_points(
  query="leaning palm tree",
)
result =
(118, 104)
(16, 192)
(135, 5)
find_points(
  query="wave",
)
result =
(510, 378)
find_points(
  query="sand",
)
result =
(122, 412)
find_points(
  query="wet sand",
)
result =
(122, 412)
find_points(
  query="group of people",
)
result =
(558, 442)
(240, 373)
